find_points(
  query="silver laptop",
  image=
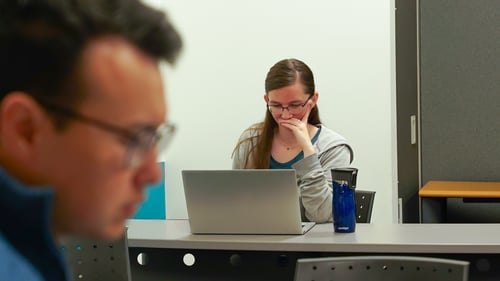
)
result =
(243, 202)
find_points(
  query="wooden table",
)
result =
(442, 201)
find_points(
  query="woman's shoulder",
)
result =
(330, 136)
(329, 140)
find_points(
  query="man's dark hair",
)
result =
(41, 40)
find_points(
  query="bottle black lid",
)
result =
(345, 174)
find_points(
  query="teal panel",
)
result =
(154, 206)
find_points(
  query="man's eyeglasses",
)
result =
(294, 108)
(138, 142)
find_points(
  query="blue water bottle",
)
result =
(343, 205)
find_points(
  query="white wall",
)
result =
(216, 89)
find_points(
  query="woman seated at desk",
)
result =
(292, 137)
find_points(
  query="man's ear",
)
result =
(21, 120)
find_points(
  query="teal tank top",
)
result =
(288, 165)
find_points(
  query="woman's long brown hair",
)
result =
(284, 73)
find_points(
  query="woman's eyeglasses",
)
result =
(294, 108)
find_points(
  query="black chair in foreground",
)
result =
(364, 204)
(376, 268)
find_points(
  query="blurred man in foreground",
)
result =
(82, 117)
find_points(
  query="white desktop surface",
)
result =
(390, 238)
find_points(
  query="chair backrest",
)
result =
(387, 268)
(97, 260)
(364, 204)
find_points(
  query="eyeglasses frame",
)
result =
(132, 139)
(287, 107)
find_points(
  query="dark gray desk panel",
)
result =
(216, 265)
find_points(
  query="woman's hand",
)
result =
(300, 130)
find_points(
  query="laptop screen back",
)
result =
(242, 201)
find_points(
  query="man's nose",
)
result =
(149, 172)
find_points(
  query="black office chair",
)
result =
(97, 260)
(364, 204)
(375, 268)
